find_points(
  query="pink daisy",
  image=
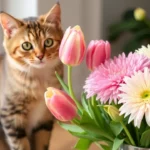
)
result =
(106, 79)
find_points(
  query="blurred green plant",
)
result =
(135, 22)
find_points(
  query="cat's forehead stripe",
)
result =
(35, 29)
(33, 24)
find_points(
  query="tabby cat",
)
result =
(27, 69)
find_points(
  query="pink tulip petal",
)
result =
(62, 108)
(82, 47)
(60, 104)
(90, 52)
(89, 55)
(107, 50)
(99, 55)
(69, 49)
(65, 37)
(72, 48)
(78, 50)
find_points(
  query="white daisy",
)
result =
(136, 97)
(144, 50)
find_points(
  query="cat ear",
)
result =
(9, 24)
(54, 15)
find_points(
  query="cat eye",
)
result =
(27, 46)
(48, 42)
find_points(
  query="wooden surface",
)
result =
(63, 140)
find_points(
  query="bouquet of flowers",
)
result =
(114, 108)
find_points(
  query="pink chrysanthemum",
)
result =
(106, 79)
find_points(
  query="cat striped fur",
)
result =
(26, 70)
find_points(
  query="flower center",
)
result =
(49, 93)
(146, 96)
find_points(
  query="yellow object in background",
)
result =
(139, 14)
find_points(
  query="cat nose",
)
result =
(40, 57)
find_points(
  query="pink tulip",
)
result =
(97, 53)
(60, 104)
(72, 47)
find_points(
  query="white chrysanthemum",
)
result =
(136, 97)
(144, 50)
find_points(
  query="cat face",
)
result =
(32, 43)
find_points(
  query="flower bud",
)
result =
(72, 47)
(60, 104)
(97, 53)
(139, 14)
(113, 113)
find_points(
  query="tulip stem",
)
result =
(127, 133)
(71, 89)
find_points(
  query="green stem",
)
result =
(93, 100)
(71, 89)
(137, 135)
(128, 133)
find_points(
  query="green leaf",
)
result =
(142, 34)
(98, 114)
(63, 84)
(83, 144)
(117, 143)
(131, 45)
(143, 127)
(81, 132)
(123, 26)
(99, 133)
(84, 102)
(141, 37)
(91, 110)
(128, 14)
(91, 137)
(145, 140)
(105, 147)
(86, 135)
(98, 117)
(71, 128)
(86, 119)
(104, 113)
(116, 127)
